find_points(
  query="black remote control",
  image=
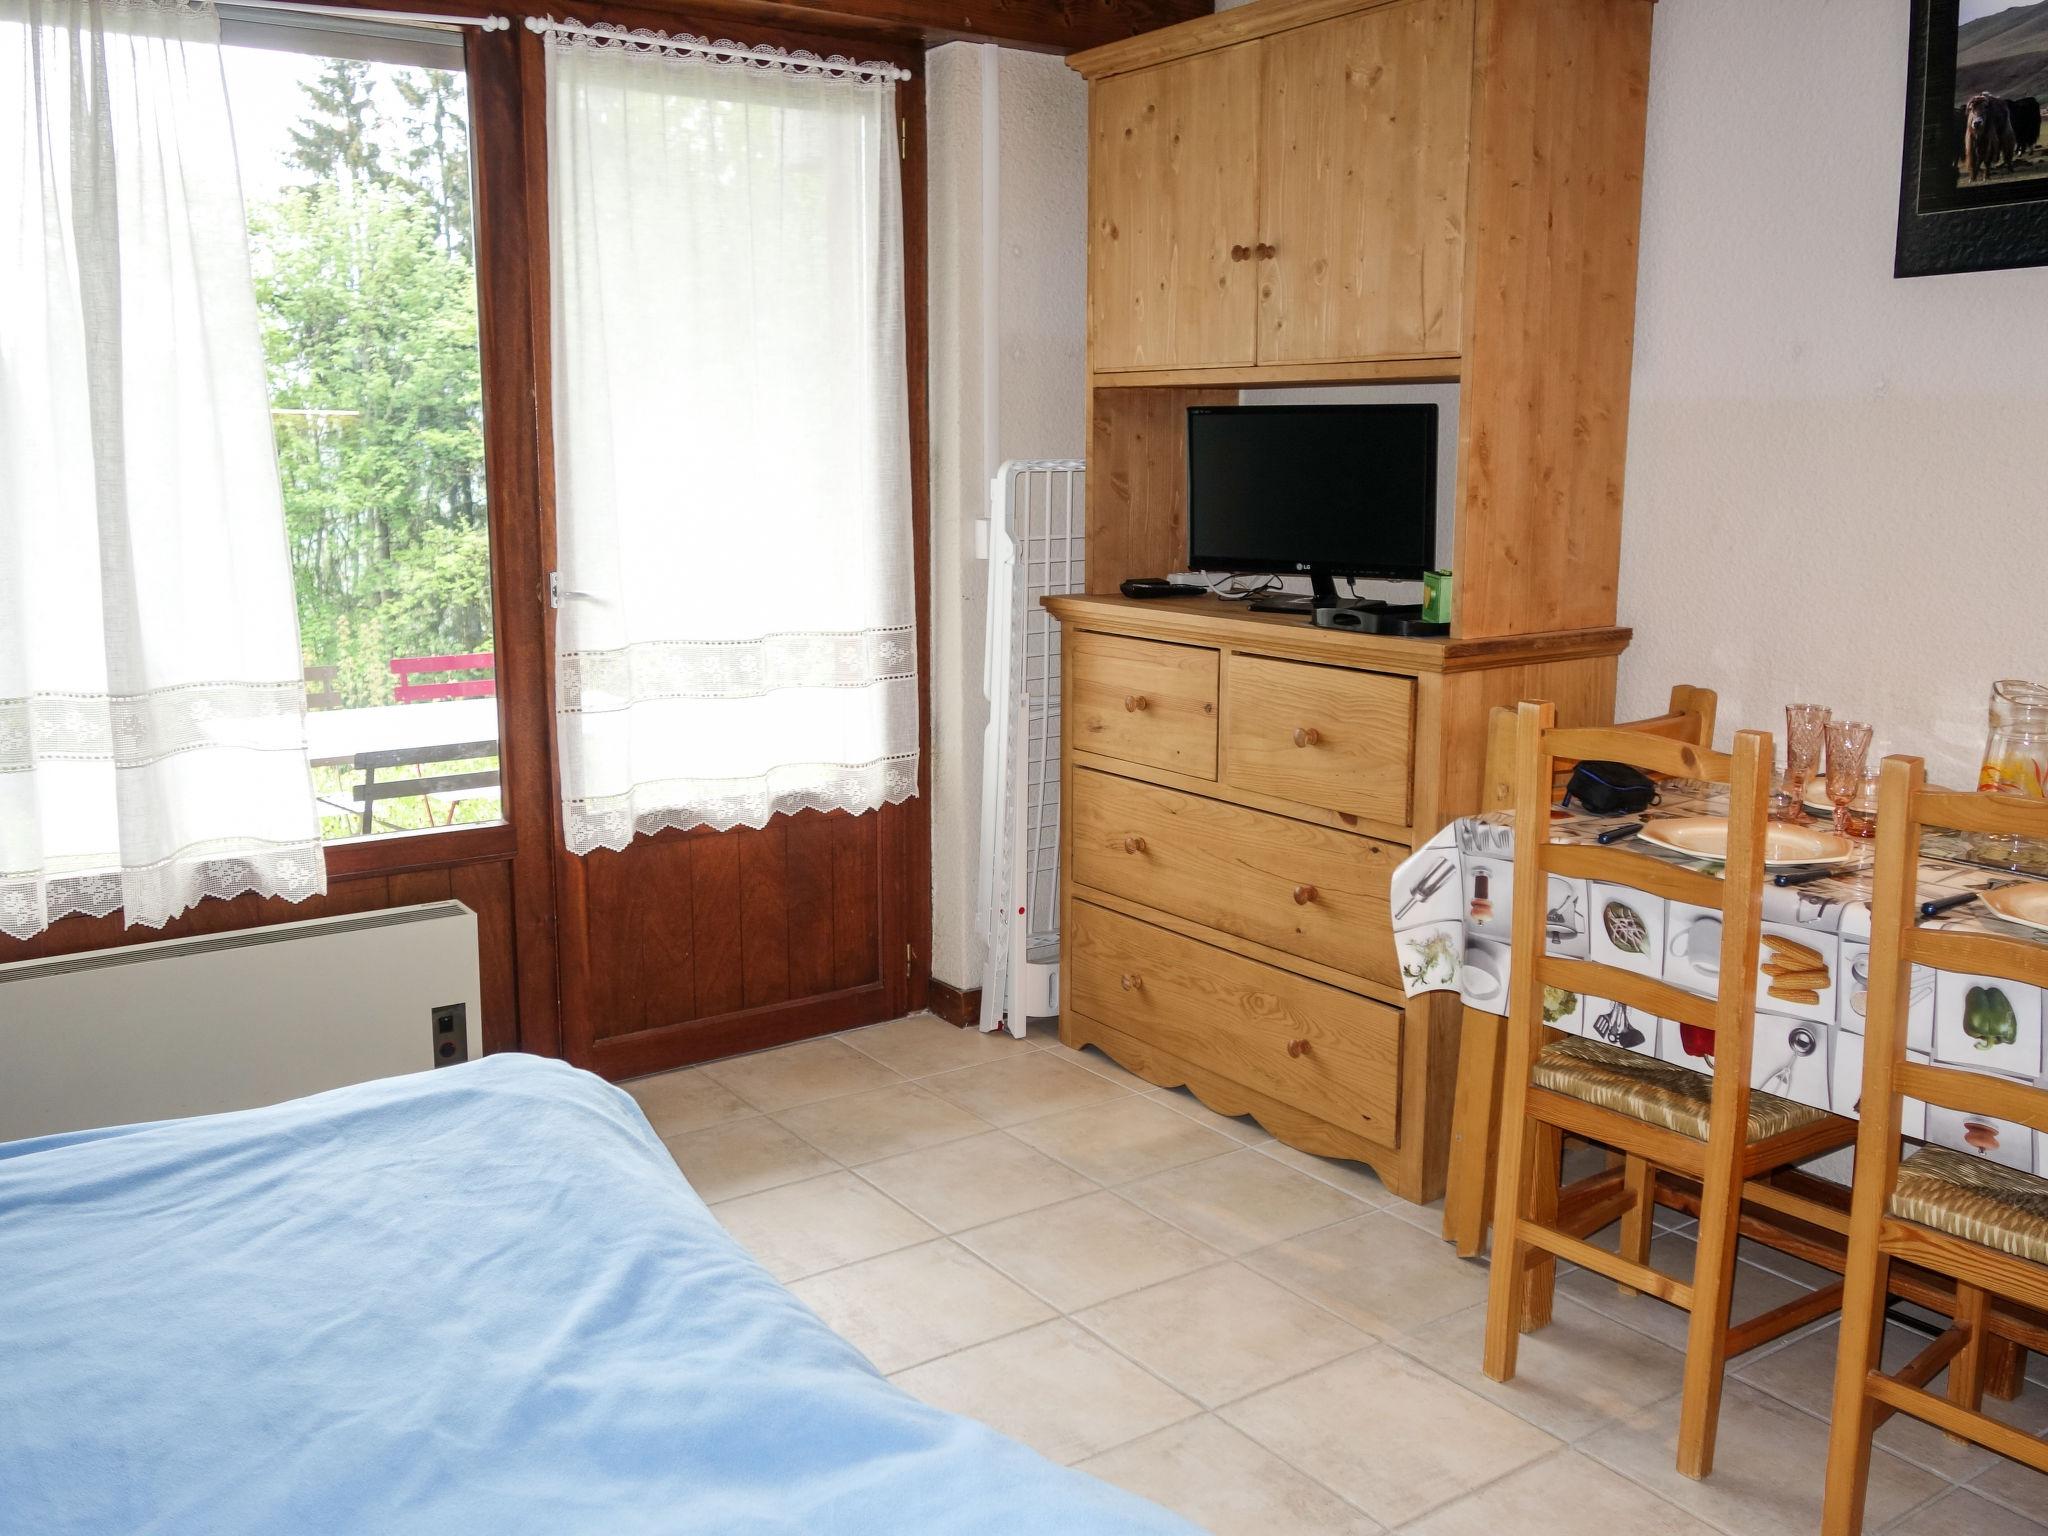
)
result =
(1159, 586)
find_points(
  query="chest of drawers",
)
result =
(1237, 789)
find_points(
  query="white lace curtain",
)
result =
(736, 636)
(152, 730)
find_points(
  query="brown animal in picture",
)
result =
(1988, 139)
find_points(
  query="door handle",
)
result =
(1264, 252)
(1240, 253)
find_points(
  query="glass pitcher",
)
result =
(2015, 763)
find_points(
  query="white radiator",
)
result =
(234, 1020)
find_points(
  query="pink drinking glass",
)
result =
(1848, 750)
(1805, 730)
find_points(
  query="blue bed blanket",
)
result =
(474, 1300)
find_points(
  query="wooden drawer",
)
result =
(1310, 890)
(1327, 1052)
(1325, 736)
(1143, 701)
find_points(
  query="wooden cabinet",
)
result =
(1173, 156)
(1304, 192)
(1297, 198)
(1363, 131)
(1227, 851)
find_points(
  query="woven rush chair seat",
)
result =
(1655, 1092)
(1975, 1198)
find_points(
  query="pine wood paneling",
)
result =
(1137, 492)
(1362, 197)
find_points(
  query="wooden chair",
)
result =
(1663, 1118)
(1981, 1224)
(1475, 1113)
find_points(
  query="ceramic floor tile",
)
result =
(1242, 1200)
(1756, 1291)
(1566, 1494)
(739, 1157)
(886, 1122)
(1377, 1272)
(1960, 1512)
(679, 1102)
(1085, 1251)
(919, 1303)
(1579, 1374)
(1123, 1139)
(925, 1043)
(800, 1074)
(1229, 1484)
(1387, 1433)
(1097, 1062)
(2015, 1484)
(1355, 1179)
(972, 1182)
(1237, 1127)
(1768, 1463)
(1802, 1373)
(1027, 1086)
(1220, 1333)
(1058, 1388)
(819, 1224)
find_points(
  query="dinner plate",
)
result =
(2024, 904)
(1706, 837)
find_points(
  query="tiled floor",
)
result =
(1266, 1341)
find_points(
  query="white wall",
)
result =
(1837, 481)
(1008, 134)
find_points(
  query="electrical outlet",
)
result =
(451, 1034)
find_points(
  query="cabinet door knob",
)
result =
(1297, 1047)
(1240, 253)
(1264, 251)
(1306, 736)
(1304, 894)
(1134, 845)
(1136, 701)
(1133, 983)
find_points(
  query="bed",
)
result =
(474, 1300)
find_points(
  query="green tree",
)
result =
(436, 156)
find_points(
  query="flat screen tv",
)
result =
(1319, 490)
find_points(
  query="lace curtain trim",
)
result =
(152, 894)
(723, 54)
(612, 821)
(593, 682)
(132, 730)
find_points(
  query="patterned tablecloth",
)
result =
(1453, 906)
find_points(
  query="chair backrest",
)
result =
(1690, 718)
(1738, 894)
(1904, 806)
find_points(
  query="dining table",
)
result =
(1452, 907)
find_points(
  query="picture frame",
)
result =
(1973, 181)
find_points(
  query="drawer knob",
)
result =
(1264, 251)
(1297, 1047)
(1240, 253)
(1304, 894)
(1136, 701)
(1134, 845)
(1133, 983)
(1306, 736)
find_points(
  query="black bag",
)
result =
(1610, 789)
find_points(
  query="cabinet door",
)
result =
(1362, 207)
(1172, 167)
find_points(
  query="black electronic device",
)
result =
(1374, 618)
(1159, 586)
(1319, 490)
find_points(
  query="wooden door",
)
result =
(1172, 204)
(1364, 139)
(686, 946)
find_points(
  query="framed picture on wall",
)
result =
(1973, 189)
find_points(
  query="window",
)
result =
(353, 142)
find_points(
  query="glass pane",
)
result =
(356, 175)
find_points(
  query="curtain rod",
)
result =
(349, 13)
(722, 51)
